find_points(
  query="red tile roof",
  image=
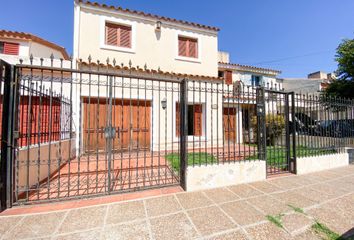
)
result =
(31, 37)
(246, 67)
(158, 73)
(161, 18)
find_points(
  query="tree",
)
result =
(344, 85)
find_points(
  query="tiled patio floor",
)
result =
(235, 212)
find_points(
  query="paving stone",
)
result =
(268, 205)
(210, 220)
(266, 187)
(242, 212)
(7, 223)
(267, 231)
(131, 231)
(331, 219)
(285, 182)
(308, 235)
(221, 195)
(35, 226)
(293, 199)
(175, 226)
(310, 193)
(87, 235)
(296, 222)
(331, 191)
(245, 191)
(193, 200)
(124, 212)
(162, 205)
(238, 234)
(83, 218)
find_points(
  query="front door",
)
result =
(230, 124)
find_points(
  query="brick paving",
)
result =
(235, 212)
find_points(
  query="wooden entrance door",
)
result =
(230, 124)
(130, 118)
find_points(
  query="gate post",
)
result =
(261, 124)
(293, 131)
(183, 132)
(8, 133)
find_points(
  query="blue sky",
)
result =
(294, 36)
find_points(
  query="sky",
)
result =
(295, 36)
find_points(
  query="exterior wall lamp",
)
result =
(158, 26)
(164, 103)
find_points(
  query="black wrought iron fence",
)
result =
(96, 129)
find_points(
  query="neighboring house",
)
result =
(247, 75)
(143, 43)
(313, 84)
(15, 45)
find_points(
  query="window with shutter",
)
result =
(9, 48)
(228, 77)
(187, 47)
(195, 120)
(118, 35)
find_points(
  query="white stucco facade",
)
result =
(156, 49)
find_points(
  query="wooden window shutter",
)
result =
(182, 46)
(11, 48)
(111, 34)
(198, 125)
(125, 36)
(193, 48)
(228, 77)
(118, 35)
(177, 119)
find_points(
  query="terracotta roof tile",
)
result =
(250, 67)
(151, 71)
(125, 10)
(29, 36)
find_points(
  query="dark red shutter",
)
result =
(177, 119)
(125, 36)
(193, 48)
(111, 34)
(198, 112)
(228, 77)
(11, 48)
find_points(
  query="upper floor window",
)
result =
(118, 35)
(9, 48)
(256, 80)
(187, 47)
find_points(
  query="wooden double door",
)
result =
(130, 121)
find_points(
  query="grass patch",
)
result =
(296, 209)
(321, 229)
(275, 220)
(198, 158)
(276, 156)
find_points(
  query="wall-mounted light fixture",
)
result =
(158, 26)
(164, 103)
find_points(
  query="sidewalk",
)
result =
(279, 208)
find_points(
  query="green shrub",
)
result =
(275, 125)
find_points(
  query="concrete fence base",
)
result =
(212, 176)
(319, 163)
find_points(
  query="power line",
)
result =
(289, 58)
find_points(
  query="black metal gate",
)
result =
(78, 133)
(279, 143)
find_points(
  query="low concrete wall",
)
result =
(212, 176)
(319, 163)
(35, 167)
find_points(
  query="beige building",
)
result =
(19, 45)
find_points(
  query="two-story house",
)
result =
(147, 43)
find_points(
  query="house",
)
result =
(148, 44)
(313, 84)
(15, 45)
